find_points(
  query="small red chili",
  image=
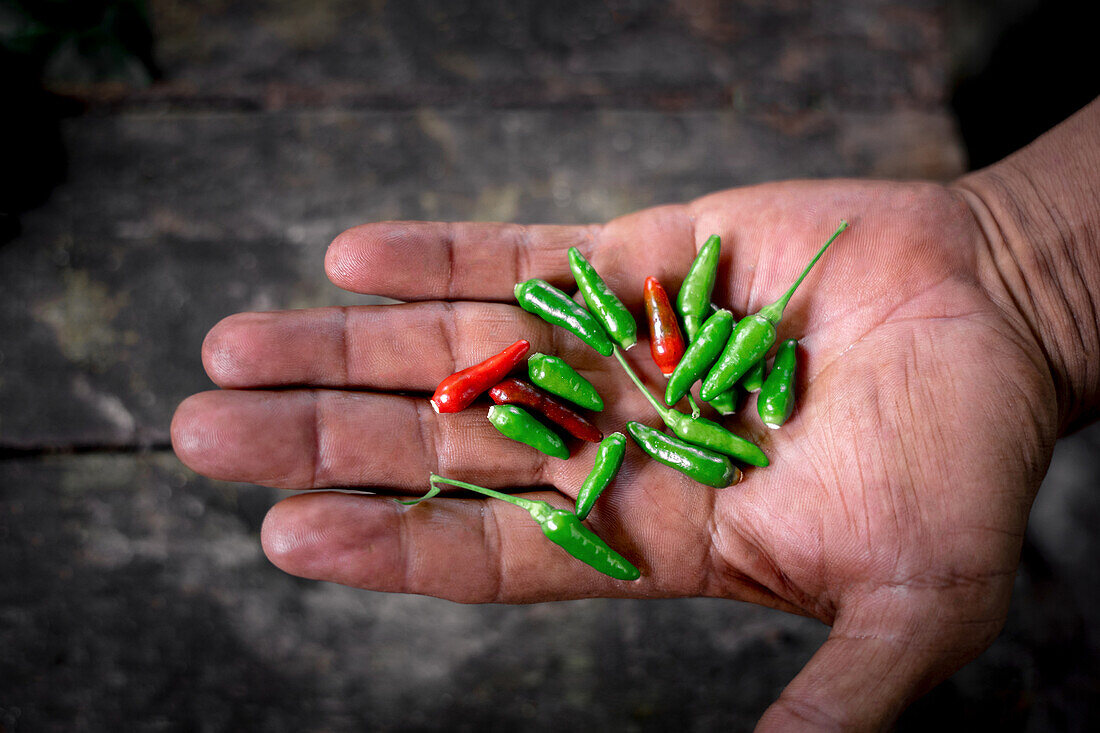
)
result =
(457, 391)
(666, 344)
(517, 392)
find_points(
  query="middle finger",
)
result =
(408, 347)
(305, 439)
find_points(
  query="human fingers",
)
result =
(484, 550)
(434, 260)
(413, 260)
(467, 550)
(304, 439)
(390, 347)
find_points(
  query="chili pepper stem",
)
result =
(774, 311)
(528, 504)
(694, 406)
(663, 411)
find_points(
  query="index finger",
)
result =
(413, 260)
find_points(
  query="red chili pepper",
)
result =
(457, 391)
(517, 392)
(665, 341)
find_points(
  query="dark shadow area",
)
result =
(91, 41)
(1041, 70)
(32, 137)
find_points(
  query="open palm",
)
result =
(895, 505)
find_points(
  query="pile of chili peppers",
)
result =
(695, 341)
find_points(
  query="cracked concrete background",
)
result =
(208, 178)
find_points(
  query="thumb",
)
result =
(867, 673)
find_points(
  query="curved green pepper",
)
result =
(561, 527)
(696, 463)
(699, 356)
(754, 335)
(728, 402)
(604, 304)
(695, 308)
(556, 376)
(776, 401)
(693, 300)
(699, 430)
(609, 457)
(709, 434)
(554, 306)
(748, 343)
(754, 377)
(518, 424)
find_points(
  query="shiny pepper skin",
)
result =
(712, 436)
(754, 377)
(564, 529)
(693, 300)
(514, 391)
(748, 343)
(666, 343)
(604, 304)
(456, 392)
(700, 464)
(609, 458)
(700, 356)
(728, 402)
(776, 401)
(520, 425)
(554, 375)
(555, 307)
(754, 335)
(560, 526)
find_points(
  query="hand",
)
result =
(898, 494)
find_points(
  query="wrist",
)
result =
(1040, 212)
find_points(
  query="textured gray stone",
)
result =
(134, 593)
(750, 55)
(169, 222)
(133, 590)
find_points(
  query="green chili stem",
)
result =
(661, 410)
(527, 504)
(774, 312)
(694, 406)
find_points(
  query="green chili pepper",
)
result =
(709, 434)
(754, 335)
(754, 377)
(695, 308)
(693, 300)
(776, 400)
(556, 377)
(697, 463)
(699, 430)
(609, 457)
(560, 526)
(699, 356)
(604, 304)
(518, 424)
(552, 305)
(728, 402)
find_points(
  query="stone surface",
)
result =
(169, 222)
(750, 54)
(133, 590)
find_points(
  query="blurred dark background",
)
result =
(169, 162)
